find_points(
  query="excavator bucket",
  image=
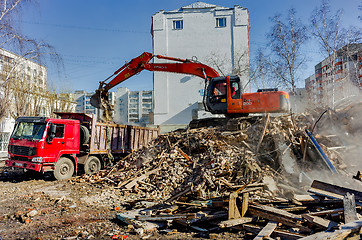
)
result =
(100, 100)
(96, 100)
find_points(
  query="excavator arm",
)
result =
(142, 62)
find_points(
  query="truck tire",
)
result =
(92, 165)
(64, 169)
(84, 135)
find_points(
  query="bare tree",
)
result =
(59, 102)
(325, 28)
(335, 42)
(238, 64)
(25, 98)
(285, 41)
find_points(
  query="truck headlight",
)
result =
(37, 159)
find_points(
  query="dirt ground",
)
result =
(37, 207)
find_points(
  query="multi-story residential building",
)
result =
(83, 105)
(22, 83)
(336, 77)
(82, 99)
(133, 107)
(215, 35)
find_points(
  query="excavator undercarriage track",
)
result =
(229, 124)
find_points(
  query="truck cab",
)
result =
(45, 145)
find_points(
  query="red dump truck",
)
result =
(61, 146)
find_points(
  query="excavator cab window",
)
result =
(235, 90)
(219, 91)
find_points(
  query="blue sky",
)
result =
(95, 38)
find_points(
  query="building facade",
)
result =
(336, 77)
(214, 35)
(133, 107)
(22, 83)
(83, 105)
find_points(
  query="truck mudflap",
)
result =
(24, 164)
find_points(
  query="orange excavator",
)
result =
(223, 94)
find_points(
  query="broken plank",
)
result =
(276, 233)
(326, 212)
(234, 212)
(320, 222)
(140, 178)
(245, 203)
(325, 193)
(336, 189)
(165, 217)
(278, 215)
(342, 233)
(350, 213)
(187, 190)
(266, 231)
(234, 222)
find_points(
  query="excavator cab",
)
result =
(218, 92)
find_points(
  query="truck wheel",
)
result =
(64, 169)
(92, 165)
(84, 135)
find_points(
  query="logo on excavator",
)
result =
(247, 102)
(126, 75)
(160, 67)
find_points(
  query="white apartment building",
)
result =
(132, 107)
(214, 35)
(20, 72)
(83, 105)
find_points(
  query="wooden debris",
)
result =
(342, 233)
(234, 212)
(206, 178)
(349, 203)
(266, 231)
(245, 204)
(319, 222)
(332, 191)
(234, 222)
(276, 233)
(278, 215)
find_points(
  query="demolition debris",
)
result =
(283, 176)
(254, 180)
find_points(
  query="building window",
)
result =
(220, 22)
(178, 24)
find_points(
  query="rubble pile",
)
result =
(202, 161)
(254, 180)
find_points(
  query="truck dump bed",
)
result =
(116, 138)
(120, 138)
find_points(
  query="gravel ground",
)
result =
(37, 207)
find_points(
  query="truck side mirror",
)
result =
(51, 133)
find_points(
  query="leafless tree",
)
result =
(24, 100)
(326, 28)
(334, 41)
(285, 41)
(238, 64)
(59, 102)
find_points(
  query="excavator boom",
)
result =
(142, 62)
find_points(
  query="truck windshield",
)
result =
(28, 130)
